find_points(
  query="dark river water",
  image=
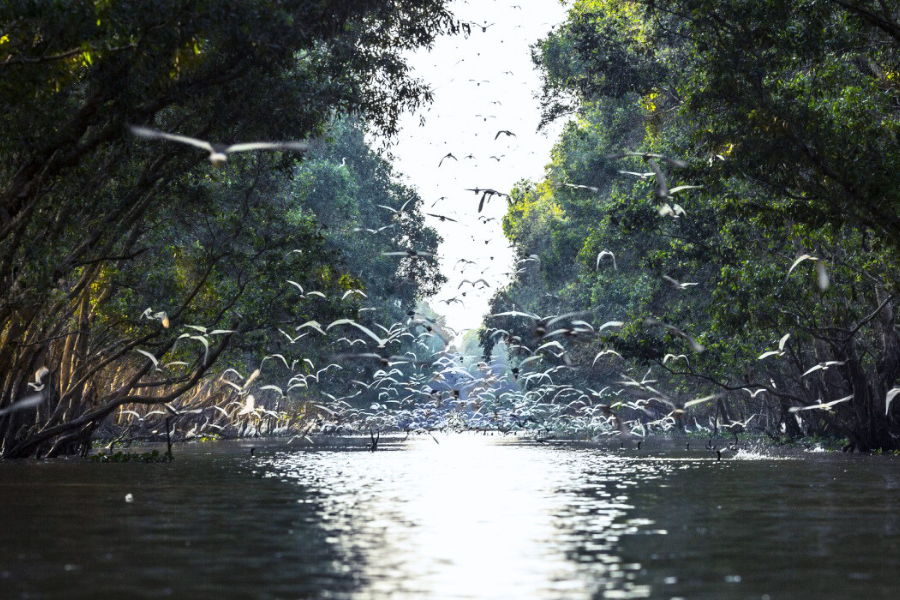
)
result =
(466, 518)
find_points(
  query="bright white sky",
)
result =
(482, 84)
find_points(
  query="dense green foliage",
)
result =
(96, 225)
(786, 113)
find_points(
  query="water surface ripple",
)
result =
(464, 518)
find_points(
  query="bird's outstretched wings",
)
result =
(298, 146)
(152, 134)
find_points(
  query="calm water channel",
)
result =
(465, 518)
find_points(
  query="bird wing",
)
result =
(27, 402)
(672, 162)
(553, 344)
(701, 400)
(662, 186)
(822, 276)
(799, 260)
(249, 405)
(314, 325)
(298, 146)
(694, 344)
(783, 341)
(889, 398)
(529, 360)
(205, 343)
(564, 316)
(146, 132)
(272, 387)
(821, 405)
(812, 370)
(604, 353)
(148, 355)
(680, 188)
(603, 254)
(232, 384)
(362, 328)
(515, 313)
(844, 399)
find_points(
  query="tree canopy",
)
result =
(757, 202)
(98, 227)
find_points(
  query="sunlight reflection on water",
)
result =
(464, 519)
(470, 519)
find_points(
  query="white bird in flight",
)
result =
(677, 284)
(780, 352)
(603, 254)
(218, 153)
(820, 406)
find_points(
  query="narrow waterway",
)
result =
(468, 517)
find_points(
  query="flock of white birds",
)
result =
(477, 140)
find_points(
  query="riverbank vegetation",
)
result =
(760, 272)
(132, 270)
(713, 247)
